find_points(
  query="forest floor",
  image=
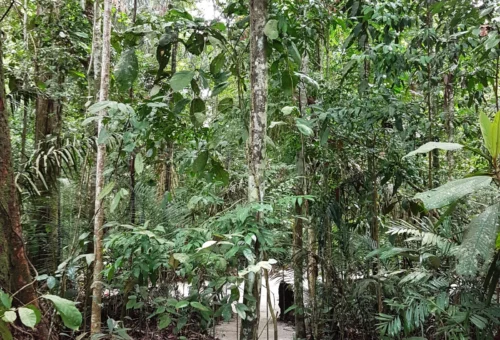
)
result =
(229, 330)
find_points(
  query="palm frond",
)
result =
(479, 240)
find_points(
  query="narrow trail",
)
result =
(229, 330)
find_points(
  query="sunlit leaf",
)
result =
(271, 29)
(71, 317)
(28, 317)
(427, 147)
(452, 191)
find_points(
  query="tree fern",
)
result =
(479, 239)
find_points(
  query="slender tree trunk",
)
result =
(93, 80)
(25, 87)
(48, 120)
(298, 255)
(449, 109)
(134, 11)
(24, 132)
(256, 151)
(132, 188)
(298, 232)
(374, 224)
(95, 326)
(167, 165)
(97, 46)
(429, 96)
(132, 155)
(270, 305)
(312, 266)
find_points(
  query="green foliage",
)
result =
(452, 191)
(380, 78)
(70, 315)
(30, 316)
(127, 69)
(428, 147)
(181, 80)
(479, 239)
(490, 131)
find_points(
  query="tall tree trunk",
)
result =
(47, 130)
(23, 157)
(429, 94)
(298, 254)
(48, 120)
(298, 232)
(167, 166)
(93, 81)
(97, 47)
(20, 280)
(256, 151)
(95, 326)
(8, 194)
(312, 266)
(374, 219)
(449, 109)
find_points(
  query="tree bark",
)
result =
(95, 326)
(167, 166)
(298, 254)
(256, 151)
(19, 280)
(449, 109)
(312, 266)
(47, 130)
(48, 119)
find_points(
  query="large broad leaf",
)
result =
(271, 29)
(199, 306)
(295, 54)
(5, 333)
(163, 51)
(9, 316)
(5, 299)
(288, 82)
(225, 104)
(217, 64)
(303, 127)
(106, 190)
(219, 88)
(126, 69)
(28, 317)
(452, 191)
(197, 111)
(200, 162)
(70, 315)
(219, 173)
(491, 134)
(479, 239)
(181, 79)
(427, 147)
(139, 163)
(165, 321)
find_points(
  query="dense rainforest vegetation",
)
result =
(162, 163)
